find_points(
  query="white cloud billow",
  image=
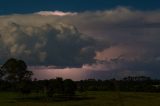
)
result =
(56, 13)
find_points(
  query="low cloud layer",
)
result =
(120, 40)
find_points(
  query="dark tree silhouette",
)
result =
(54, 86)
(14, 70)
(25, 87)
(69, 87)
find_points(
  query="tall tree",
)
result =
(15, 70)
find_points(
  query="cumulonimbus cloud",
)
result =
(132, 35)
(46, 43)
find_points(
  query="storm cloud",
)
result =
(120, 40)
(56, 44)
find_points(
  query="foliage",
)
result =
(14, 70)
(69, 87)
(15, 76)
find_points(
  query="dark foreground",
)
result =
(97, 98)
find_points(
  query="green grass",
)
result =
(85, 99)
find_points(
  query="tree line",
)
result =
(15, 77)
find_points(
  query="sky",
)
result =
(30, 6)
(81, 39)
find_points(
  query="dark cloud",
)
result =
(121, 41)
(48, 44)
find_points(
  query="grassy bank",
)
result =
(84, 99)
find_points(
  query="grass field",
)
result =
(85, 99)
